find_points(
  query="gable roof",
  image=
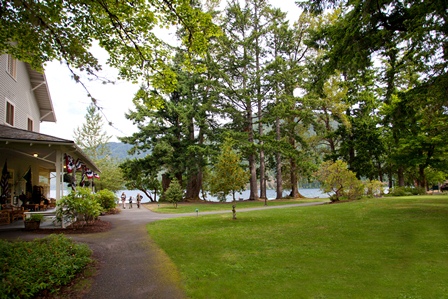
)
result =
(40, 88)
(28, 143)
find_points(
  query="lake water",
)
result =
(271, 194)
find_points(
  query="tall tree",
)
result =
(396, 36)
(93, 141)
(237, 73)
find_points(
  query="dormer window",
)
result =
(9, 113)
(12, 67)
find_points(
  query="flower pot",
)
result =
(32, 225)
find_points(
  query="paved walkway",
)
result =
(131, 264)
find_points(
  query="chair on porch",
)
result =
(5, 217)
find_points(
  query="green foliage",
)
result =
(174, 193)
(106, 199)
(79, 205)
(374, 188)
(141, 174)
(90, 135)
(227, 176)
(42, 31)
(337, 178)
(35, 217)
(406, 191)
(111, 177)
(28, 268)
(94, 142)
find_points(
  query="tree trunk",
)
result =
(194, 186)
(400, 173)
(278, 160)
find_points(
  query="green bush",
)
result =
(79, 205)
(28, 268)
(106, 199)
(407, 191)
(374, 188)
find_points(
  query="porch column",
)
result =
(58, 165)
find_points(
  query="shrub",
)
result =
(79, 205)
(406, 191)
(374, 188)
(106, 199)
(43, 264)
(337, 178)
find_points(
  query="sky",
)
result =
(70, 100)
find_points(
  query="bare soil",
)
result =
(97, 226)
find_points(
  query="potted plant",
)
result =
(33, 222)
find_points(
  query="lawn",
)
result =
(375, 248)
(168, 208)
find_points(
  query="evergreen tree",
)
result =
(93, 141)
(228, 176)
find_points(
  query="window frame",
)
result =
(10, 113)
(30, 124)
(11, 66)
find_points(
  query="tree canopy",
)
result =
(40, 31)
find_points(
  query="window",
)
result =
(12, 65)
(30, 124)
(9, 113)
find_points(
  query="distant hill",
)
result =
(120, 150)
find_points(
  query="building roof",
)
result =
(40, 88)
(30, 143)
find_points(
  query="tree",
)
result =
(93, 141)
(228, 177)
(176, 134)
(90, 135)
(140, 174)
(406, 42)
(174, 193)
(40, 31)
(337, 178)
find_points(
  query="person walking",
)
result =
(139, 199)
(123, 200)
(130, 202)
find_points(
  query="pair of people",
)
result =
(123, 199)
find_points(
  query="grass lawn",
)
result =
(168, 208)
(375, 248)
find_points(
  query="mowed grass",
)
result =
(168, 208)
(376, 248)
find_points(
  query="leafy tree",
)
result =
(174, 193)
(139, 174)
(228, 176)
(406, 42)
(40, 31)
(337, 178)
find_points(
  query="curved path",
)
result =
(131, 264)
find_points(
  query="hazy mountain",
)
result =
(120, 150)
